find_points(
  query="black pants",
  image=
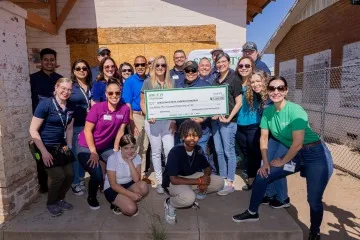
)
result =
(59, 182)
(42, 176)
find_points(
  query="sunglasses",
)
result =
(109, 67)
(190, 70)
(112, 93)
(244, 65)
(126, 70)
(78, 69)
(161, 65)
(281, 88)
(105, 54)
(149, 63)
(140, 64)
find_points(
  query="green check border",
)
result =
(182, 89)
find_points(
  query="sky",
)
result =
(265, 24)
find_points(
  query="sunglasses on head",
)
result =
(109, 67)
(190, 70)
(281, 88)
(161, 65)
(112, 93)
(78, 69)
(244, 65)
(140, 64)
(126, 70)
(105, 54)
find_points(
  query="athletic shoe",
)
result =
(93, 203)
(246, 217)
(82, 185)
(314, 236)
(266, 200)
(247, 187)
(277, 204)
(159, 189)
(226, 190)
(200, 196)
(170, 214)
(54, 210)
(77, 190)
(65, 205)
(135, 214)
(115, 209)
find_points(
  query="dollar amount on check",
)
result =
(186, 102)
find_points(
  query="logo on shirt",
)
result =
(284, 123)
(119, 116)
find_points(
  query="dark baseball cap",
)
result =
(249, 46)
(103, 49)
(191, 64)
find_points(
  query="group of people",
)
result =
(95, 122)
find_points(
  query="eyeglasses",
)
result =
(78, 69)
(126, 70)
(161, 65)
(190, 70)
(140, 65)
(112, 93)
(64, 89)
(281, 88)
(109, 67)
(244, 65)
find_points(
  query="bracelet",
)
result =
(200, 181)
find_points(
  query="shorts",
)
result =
(110, 194)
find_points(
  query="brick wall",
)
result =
(18, 184)
(331, 28)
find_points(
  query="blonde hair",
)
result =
(153, 74)
(60, 81)
(263, 93)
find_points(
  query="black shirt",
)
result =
(234, 83)
(179, 163)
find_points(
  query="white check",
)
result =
(186, 102)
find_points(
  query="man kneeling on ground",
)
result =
(187, 170)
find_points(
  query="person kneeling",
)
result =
(182, 172)
(123, 186)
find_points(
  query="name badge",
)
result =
(175, 77)
(290, 167)
(107, 117)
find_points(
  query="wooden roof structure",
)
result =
(254, 7)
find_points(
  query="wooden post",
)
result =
(34, 20)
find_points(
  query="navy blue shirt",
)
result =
(177, 75)
(131, 93)
(179, 163)
(80, 99)
(94, 73)
(98, 91)
(42, 86)
(52, 129)
(260, 65)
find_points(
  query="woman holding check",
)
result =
(104, 126)
(288, 122)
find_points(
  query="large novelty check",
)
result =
(186, 102)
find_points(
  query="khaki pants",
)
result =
(184, 195)
(142, 141)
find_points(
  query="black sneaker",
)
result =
(277, 204)
(266, 200)
(93, 203)
(246, 217)
(115, 209)
(314, 236)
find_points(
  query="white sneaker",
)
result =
(159, 189)
(226, 190)
(170, 214)
(82, 185)
(77, 190)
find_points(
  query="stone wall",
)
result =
(18, 183)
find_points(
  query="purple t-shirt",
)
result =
(107, 124)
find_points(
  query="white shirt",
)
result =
(117, 164)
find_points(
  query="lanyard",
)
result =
(60, 116)
(86, 97)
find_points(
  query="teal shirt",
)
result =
(247, 116)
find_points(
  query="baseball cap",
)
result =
(216, 50)
(249, 46)
(191, 64)
(102, 49)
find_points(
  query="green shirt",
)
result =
(291, 118)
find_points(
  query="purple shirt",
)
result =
(107, 124)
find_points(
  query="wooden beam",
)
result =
(53, 11)
(39, 5)
(25, 1)
(254, 8)
(34, 20)
(64, 13)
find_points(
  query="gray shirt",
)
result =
(148, 85)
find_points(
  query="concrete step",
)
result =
(211, 221)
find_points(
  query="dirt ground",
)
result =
(341, 206)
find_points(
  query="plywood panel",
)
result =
(88, 52)
(128, 52)
(156, 49)
(114, 48)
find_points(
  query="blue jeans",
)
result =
(78, 170)
(96, 176)
(224, 140)
(277, 188)
(315, 162)
(248, 138)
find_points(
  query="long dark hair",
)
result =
(88, 77)
(127, 139)
(120, 71)
(237, 67)
(101, 77)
